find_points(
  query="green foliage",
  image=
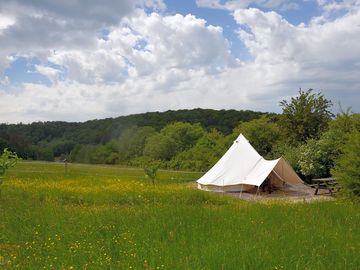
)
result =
(317, 157)
(151, 172)
(132, 142)
(8, 159)
(347, 166)
(99, 155)
(172, 139)
(263, 133)
(62, 137)
(344, 124)
(203, 155)
(42, 152)
(304, 135)
(289, 152)
(84, 154)
(61, 147)
(313, 159)
(305, 116)
(184, 135)
(3, 144)
(160, 147)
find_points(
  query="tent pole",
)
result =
(241, 190)
(257, 192)
(223, 185)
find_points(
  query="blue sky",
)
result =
(79, 60)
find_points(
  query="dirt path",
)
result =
(288, 193)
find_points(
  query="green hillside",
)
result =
(46, 140)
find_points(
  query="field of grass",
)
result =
(107, 217)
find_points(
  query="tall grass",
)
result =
(102, 217)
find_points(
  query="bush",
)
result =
(315, 159)
(8, 159)
(347, 167)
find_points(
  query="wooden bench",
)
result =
(328, 184)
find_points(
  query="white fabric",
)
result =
(242, 165)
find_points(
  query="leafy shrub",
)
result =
(8, 159)
(314, 159)
(151, 172)
(347, 166)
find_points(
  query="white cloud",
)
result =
(5, 22)
(145, 62)
(51, 73)
(148, 61)
(37, 27)
(232, 5)
(330, 5)
(323, 56)
(271, 38)
(147, 45)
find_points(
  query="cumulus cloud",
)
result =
(148, 45)
(319, 55)
(144, 61)
(146, 58)
(35, 27)
(270, 38)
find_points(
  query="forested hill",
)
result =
(40, 140)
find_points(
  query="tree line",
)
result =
(56, 140)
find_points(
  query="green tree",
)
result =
(172, 139)
(184, 135)
(344, 124)
(347, 166)
(202, 155)
(305, 116)
(263, 133)
(316, 157)
(40, 152)
(160, 147)
(84, 153)
(61, 147)
(132, 142)
(99, 154)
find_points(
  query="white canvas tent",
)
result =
(242, 167)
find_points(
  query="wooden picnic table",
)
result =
(329, 184)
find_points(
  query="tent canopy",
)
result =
(242, 166)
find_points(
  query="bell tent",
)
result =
(242, 168)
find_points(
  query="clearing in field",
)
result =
(107, 217)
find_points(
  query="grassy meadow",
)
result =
(108, 217)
